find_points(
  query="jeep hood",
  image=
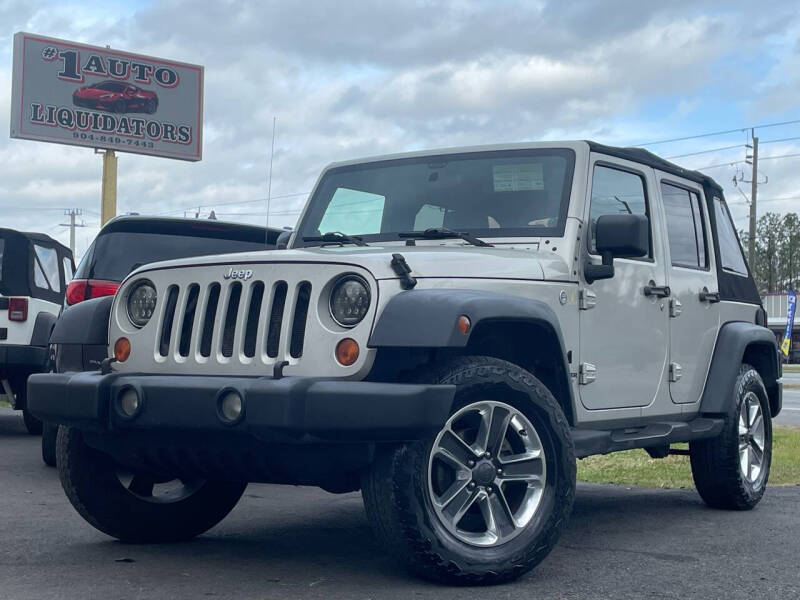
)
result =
(454, 261)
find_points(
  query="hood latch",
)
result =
(400, 266)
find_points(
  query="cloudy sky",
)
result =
(348, 79)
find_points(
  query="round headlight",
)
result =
(141, 302)
(349, 300)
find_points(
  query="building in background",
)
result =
(776, 305)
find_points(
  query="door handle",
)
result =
(659, 291)
(710, 297)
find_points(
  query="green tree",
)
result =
(769, 242)
(790, 251)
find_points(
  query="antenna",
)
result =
(269, 184)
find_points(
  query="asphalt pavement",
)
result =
(289, 542)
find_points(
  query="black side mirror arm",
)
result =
(605, 270)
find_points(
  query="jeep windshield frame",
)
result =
(489, 194)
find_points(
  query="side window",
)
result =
(353, 212)
(687, 239)
(429, 216)
(615, 192)
(730, 251)
(46, 268)
(2, 245)
(67, 270)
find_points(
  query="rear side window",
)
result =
(615, 192)
(46, 269)
(730, 250)
(67, 269)
(687, 238)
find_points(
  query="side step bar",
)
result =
(597, 441)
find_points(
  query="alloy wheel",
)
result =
(486, 473)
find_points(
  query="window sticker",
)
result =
(517, 178)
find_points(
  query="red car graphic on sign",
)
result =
(116, 97)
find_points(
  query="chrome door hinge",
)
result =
(675, 372)
(675, 307)
(587, 299)
(587, 373)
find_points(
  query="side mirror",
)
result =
(283, 240)
(617, 236)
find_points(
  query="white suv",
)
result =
(34, 272)
(448, 331)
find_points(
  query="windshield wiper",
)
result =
(336, 237)
(443, 233)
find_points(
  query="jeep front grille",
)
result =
(207, 325)
(229, 308)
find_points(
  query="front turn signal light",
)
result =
(122, 349)
(347, 352)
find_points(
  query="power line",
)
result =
(229, 203)
(706, 151)
(713, 133)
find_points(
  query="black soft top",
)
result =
(18, 259)
(640, 155)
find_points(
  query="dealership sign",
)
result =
(71, 93)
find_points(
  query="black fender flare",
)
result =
(428, 319)
(42, 328)
(735, 340)
(84, 323)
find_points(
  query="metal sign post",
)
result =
(108, 204)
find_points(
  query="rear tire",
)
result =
(91, 480)
(408, 501)
(49, 434)
(731, 470)
(32, 424)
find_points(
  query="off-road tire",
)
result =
(398, 504)
(49, 434)
(715, 462)
(32, 424)
(89, 478)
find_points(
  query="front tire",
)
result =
(486, 499)
(130, 510)
(731, 470)
(49, 435)
(32, 424)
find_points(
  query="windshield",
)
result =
(522, 193)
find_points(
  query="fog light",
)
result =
(231, 407)
(129, 403)
(347, 352)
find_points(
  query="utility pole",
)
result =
(753, 196)
(72, 213)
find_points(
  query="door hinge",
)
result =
(675, 307)
(587, 299)
(675, 372)
(587, 373)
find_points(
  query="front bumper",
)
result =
(290, 409)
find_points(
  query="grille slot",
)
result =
(275, 318)
(188, 319)
(166, 323)
(253, 312)
(229, 329)
(299, 320)
(208, 319)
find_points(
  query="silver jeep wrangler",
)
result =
(447, 332)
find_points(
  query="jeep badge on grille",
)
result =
(243, 274)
